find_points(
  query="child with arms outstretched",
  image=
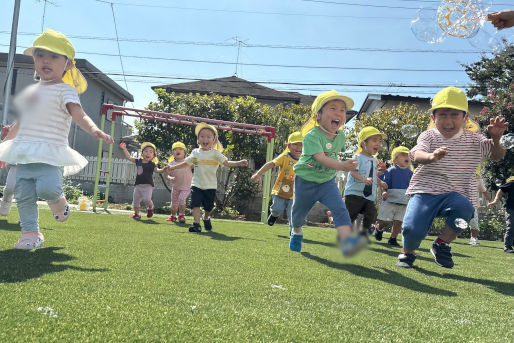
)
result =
(181, 180)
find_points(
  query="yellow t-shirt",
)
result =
(283, 187)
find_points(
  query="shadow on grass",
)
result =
(479, 246)
(310, 241)
(504, 288)
(395, 253)
(386, 275)
(23, 265)
(5, 225)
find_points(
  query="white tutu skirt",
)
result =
(26, 152)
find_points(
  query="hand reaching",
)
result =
(497, 127)
(123, 146)
(243, 163)
(255, 178)
(439, 153)
(98, 134)
(502, 19)
(349, 165)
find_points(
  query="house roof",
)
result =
(86, 68)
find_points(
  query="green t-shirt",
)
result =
(316, 141)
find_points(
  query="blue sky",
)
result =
(208, 30)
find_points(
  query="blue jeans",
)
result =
(307, 193)
(279, 205)
(423, 208)
(33, 181)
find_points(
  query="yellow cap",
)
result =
(399, 150)
(201, 126)
(58, 43)
(148, 144)
(510, 179)
(178, 145)
(450, 97)
(323, 98)
(367, 132)
(295, 137)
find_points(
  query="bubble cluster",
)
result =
(461, 223)
(507, 141)
(409, 131)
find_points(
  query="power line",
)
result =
(381, 6)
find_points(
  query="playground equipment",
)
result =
(119, 111)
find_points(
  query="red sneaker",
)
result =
(171, 218)
(149, 213)
(181, 218)
(135, 216)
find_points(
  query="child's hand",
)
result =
(381, 168)
(5, 131)
(383, 186)
(243, 163)
(439, 153)
(496, 127)
(171, 178)
(98, 134)
(255, 177)
(385, 195)
(368, 181)
(349, 165)
(491, 204)
(123, 145)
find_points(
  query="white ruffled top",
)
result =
(44, 125)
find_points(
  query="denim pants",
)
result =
(423, 208)
(307, 193)
(279, 205)
(33, 181)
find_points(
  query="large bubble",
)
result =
(409, 131)
(461, 223)
(507, 141)
(425, 27)
(460, 18)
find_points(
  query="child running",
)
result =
(360, 192)
(40, 147)
(444, 183)
(507, 188)
(146, 166)
(392, 208)
(181, 180)
(282, 192)
(206, 160)
(316, 169)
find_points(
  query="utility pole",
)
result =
(10, 61)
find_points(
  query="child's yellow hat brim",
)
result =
(178, 145)
(295, 137)
(399, 150)
(450, 97)
(325, 97)
(202, 126)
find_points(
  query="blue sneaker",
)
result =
(353, 244)
(295, 242)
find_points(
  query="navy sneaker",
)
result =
(508, 249)
(207, 224)
(442, 254)
(195, 228)
(406, 260)
(378, 234)
(271, 220)
(393, 242)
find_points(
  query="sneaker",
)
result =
(171, 218)
(271, 220)
(378, 234)
(30, 240)
(135, 216)
(149, 213)
(60, 209)
(295, 241)
(393, 242)
(406, 260)
(5, 208)
(365, 235)
(195, 228)
(207, 224)
(181, 218)
(353, 244)
(508, 249)
(477, 242)
(442, 254)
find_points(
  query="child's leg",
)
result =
(289, 210)
(278, 206)
(182, 197)
(174, 201)
(421, 211)
(136, 200)
(397, 228)
(197, 214)
(5, 204)
(508, 239)
(370, 215)
(474, 228)
(354, 205)
(49, 188)
(305, 196)
(26, 197)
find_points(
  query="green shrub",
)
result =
(71, 192)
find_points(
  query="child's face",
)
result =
(295, 149)
(49, 65)
(372, 145)
(179, 154)
(332, 116)
(148, 153)
(402, 160)
(449, 121)
(206, 139)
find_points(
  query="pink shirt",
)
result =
(183, 177)
(456, 171)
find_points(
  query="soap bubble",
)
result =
(461, 223)
(507, 141)
(460, 18)
(394, 120)
(485, 41)
(425, 27)
(409, 131)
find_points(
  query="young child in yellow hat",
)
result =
(444, 183)
(206, 160)
(181, 180)
(360, 191)
(40, 147)
(146, 166)
(282, 192)
(507, 189)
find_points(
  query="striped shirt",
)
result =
(456, 171)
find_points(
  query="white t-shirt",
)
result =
(206, 164)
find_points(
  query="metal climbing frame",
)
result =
(119, 111)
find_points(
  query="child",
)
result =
(361, 189)
(206, 160)
(507, 188)
(10, 182)
(40, 147)
(392, 209)
(282, 192)
(444, 183)
(473, 224)
(181, 179)
(316, 169)
(146, 166)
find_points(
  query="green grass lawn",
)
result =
(108, 278)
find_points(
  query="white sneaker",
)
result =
(474, 241)
(30, 240)
(5, 208)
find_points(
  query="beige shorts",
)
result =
(390, 211)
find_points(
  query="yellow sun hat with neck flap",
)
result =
(175, 146)
(367, 132)
(58, 43)
(217, 145)
(151, 145)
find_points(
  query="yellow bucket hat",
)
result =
(510, 179)
(58, 43)
(151, 145)
(202, 126)
(450, 97)
(173, 147)
(295, 137)
(367, 132)
(398, 150)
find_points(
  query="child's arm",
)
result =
(496, 199)
(256, 177)
(82, 119)
(10, 131)
(123, 147)
(366, 180)
(326, 161)
(424, 157)
(496, 128)
(161, 170)
(241, 163)
(178, 166)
